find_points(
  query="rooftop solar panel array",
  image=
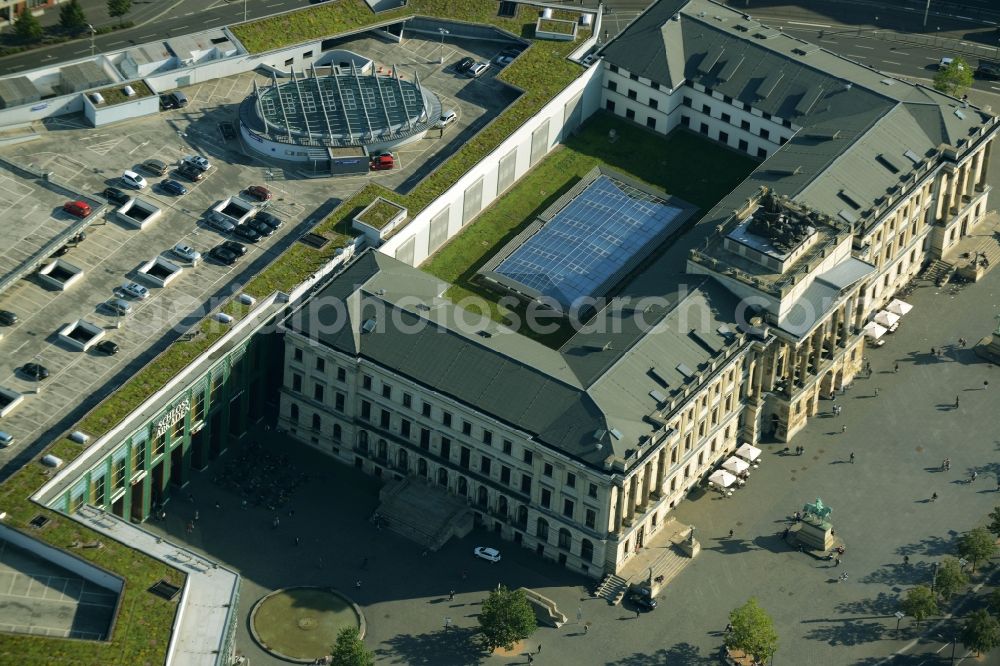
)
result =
(588, 241)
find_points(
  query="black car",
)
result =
(115, 196)
(247, 233)
(642, 601)
(987, 70)
(464, 65)
(191, 172)
(8, 318)
(223, 255)
(107, 347)
(167, 102)
(261, 227)
(269, 219)
(239, 249)
(35, 371)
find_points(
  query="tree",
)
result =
(994, 525)
(119, 8)
(981, 632)
(71, 17)
(994, 601)
(954, 78)
(977, 545)
(506, 618)
(27, 27)
(350, 651)
(753, 631)
(950, 578)
(920, 603)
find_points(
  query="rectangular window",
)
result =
(613, 68)
(297, 354)
(610, 106)
(387, 391)
(407, 400)
(630, 114)
(762, 153)
(633, 94)
(568, 507)
(592, 490)
(726, 118)
(466, 428)
(425, 438)
(571, 479)
(527, 456)
(612, 86)
(547, 469)
(686, 101)
(139, 455)
(590, 518)
(366, 410)
(464, 456)
(341, 375)
(159, 444)
(655, 85)
(743, 145)
(425, 409)
(505, 474)
(198, 411)
(338, 401)
(296, 385)
(366, 382)
(706, 109)
(318, 393)
(546, 498)
(384, 419)
(484, 465)
(745, 124)
(653, 104)
(404, 428)
(651, 122)
(508, 446)
(118, 471)
(445, 448)
(704, 128)
(446, 419)
(764, 134)
(487, 438)
(685, 121)
(99, 490)
(526, 484)
(723, 137)
(767, 116)
(634, 77)
(320, 364)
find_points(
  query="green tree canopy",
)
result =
(977, 545)
(994, 601)
(994, 525)
(981, 632)
(950, 578)
(71, 16)
(506, 618)
(954, 78)
(119, 8)
(920, 603)
(27, 27)
(753, 631)
(350, 651)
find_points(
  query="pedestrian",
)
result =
(637, 614)
(933, 351)
(876, 391)
(947, 464)
(586, 628)
(852, 457)
(190, 526)
(973, 476)
(729, 627)
(451, 595)
(798, 516)
(196, 515)
(539, 649)
(218, 505)
(298, 541)
(986, 385)
(730, 534)
(956, 402)
(531, 658)
(785, 533)
(895, 368)
(465, 575)
(275, 523)
(934, 497)
(843, 429)
(836, 561)
(906, 560)
(357, 584)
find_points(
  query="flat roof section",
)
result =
(590, 242)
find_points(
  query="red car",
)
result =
(259, 192)
(382, 163)
(78, 208)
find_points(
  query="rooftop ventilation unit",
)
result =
(369, 325)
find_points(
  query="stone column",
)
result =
(953, 203)
(941, 207)
(977, 168)
(661, 470)
(618, 492)
(648, 475)
(964, 182)
(804, 355)
(981, 181)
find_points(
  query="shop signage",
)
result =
(172, 417)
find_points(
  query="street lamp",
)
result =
(934, 577)
(244, 11)
(93, 33)
(899, 616)
(441, 50)
(927, 8)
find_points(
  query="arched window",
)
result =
(363, 441)
(586, 550)
(317, 422)
(383, 449)
(293, 413)
(502, 506)
(542, 529)
(565, 538)
(463, 486)
(422, 467)
(483, 497)
(402, 460)
(443, 476)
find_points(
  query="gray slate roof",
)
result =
(565, 400)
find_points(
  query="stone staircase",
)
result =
(938, 270)
(424, 513)
(612, 588)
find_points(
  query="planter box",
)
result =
(378, 219)
(555, 29)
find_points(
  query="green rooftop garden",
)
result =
(116, 94)
(380, 213)
(557, 26)
(698, 171)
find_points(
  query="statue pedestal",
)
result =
(815, 534)
(989, 348)
(690, 548)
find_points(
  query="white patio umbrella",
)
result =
(736, 465)
(874, 330)
(898, 307)
(887, 319)
(748, 452)
(722, 478)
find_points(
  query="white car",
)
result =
(186, 252)
(478, 69)
(198, 161)
(134, 180)
(6, 439)
(503, 60)
(488, 554)
(447, 118)
(135, 290)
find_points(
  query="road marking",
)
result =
(859, 46)
(276, 4)
(121, 41)
(812, 25)
(180, 27)
(901, 53)
(853, 55)
(994, 88)
(891, 62)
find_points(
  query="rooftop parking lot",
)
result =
(90, 160)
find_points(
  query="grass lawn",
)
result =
(683, 164)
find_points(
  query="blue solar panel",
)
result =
(586, 242)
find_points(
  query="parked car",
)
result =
(590, 59)
(463, 65)
(155, 167)
(118, 306)
(247, 233)
(237, 248)
(36, 371)
(642, 601)
(478, 69)
(269, 219)
(503, 60)
(260, 227)
(490, 554)
(259, 192)
(447, 118)
(173, 100)
(382, 163)
(6, 439)
(135, 290)
(219, 223)
(107, 347)
(134, 180)
(8, 318)
(988, 70)
(191, 172)
(186, 252)
(197, 161)
(115, 196)
(78, 208)
(171, 186)
(223, 255)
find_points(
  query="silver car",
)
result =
(186, 252)
(135, 290)
(119, 306)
